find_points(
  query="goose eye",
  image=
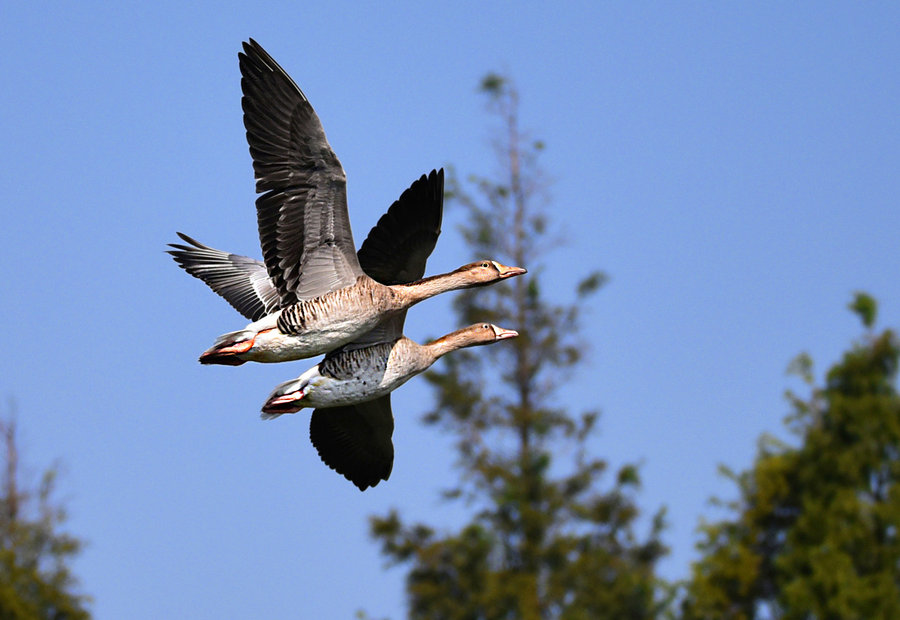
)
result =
(486, 326)
(485, 265)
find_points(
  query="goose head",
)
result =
(486, 333)
(486, 272)
(472, 336)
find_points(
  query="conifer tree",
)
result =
(545, 541)
(815, 531)
(35, 580)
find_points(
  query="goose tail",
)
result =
(286, 398)
(228, 347)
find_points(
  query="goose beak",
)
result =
(503, 334)
(509, 272)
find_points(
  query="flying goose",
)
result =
(325, 299)
(352, 424)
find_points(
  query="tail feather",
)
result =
(240, 335)
(227, 359)
(285, 398)
(227, 347)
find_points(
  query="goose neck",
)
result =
(446, 344)
(423, 289)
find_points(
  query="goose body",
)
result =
(316, 297)
(311, 327)
(349, 377)
(307, 328)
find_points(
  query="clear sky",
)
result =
(735, 168)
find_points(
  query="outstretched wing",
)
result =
(398, 246)
(242, 281)
(304, 228)
(355, 441)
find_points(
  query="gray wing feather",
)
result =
(243, 282)
(355, 441)
(304, 227)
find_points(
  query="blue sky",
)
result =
(733, 168)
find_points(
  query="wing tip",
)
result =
(361, 476)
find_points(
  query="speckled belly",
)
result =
(364, 375)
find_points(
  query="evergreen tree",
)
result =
(815, 527)
(544, 542)
(35, 581)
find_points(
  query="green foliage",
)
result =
(545, 542)
(865, 307)
(35, 582)
(492, 84)
(591, 283)
(815, 528)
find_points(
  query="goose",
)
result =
(353, 439)
(352, 423)
(324, 297)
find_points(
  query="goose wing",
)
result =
(398, 246)
(355, 441)
(304, 228)
(242, 281)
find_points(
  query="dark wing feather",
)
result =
(304, 228)
(400, 243)
(355, 441)
(398, 246)
(242, 281)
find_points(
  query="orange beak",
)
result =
(509, 272)
(503, 334)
